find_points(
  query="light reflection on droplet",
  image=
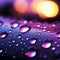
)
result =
(30, 54)
(24, 29)
(1, 51)
(32, 41)
(19, 36)
(46, 44)
(53, 48)
(14, 24)
(3, 35)
(10, 31)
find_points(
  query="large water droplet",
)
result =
(33, 41)
(30, 54)
(46, 44)
(14, 24)
(3, 35)
(24, 29)
(1, 23)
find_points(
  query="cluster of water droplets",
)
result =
(25, 28)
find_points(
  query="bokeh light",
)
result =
(45, 9)
(20, 6)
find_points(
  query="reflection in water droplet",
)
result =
(30, 54)
(1, 23)
(46, 44)
(3, 35)
(32, 41)
(24, 29)
(14, 24)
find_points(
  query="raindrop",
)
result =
(46, 44)
(24, 29)
(33, 41)
(3, 35)
(14, 24)
(30, 54)
(1, 23)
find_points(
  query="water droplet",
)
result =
(53, 48)
(13, 41)
(1, 51)
(17, 44)
(3, 35)
(46, 44)
(53, 25)
(44, 27)
(38, 25)
(14, 24)
(32, 41)
(1, 23)
(19, 36)
(10, 31)
(30, 54)
(24, 29)
(27, 38)
(43, 30)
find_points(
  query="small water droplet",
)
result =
(13, 41)
(17, 44)
(10, 31)
(30, 54)
(14, 24)
(1, 51)
(3, 35)
(53, 25)
(19, 36)
(44, 27)
(53, 48)
(33, 41)
(46, 44)
(24, 29)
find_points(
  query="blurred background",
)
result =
(35, 10)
